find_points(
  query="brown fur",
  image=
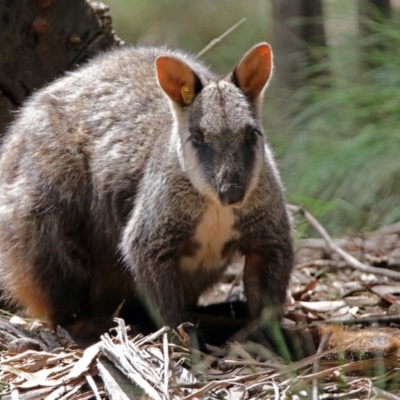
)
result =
(126, 176)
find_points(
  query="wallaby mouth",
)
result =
(231, 193)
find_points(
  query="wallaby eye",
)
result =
(252, 135)
(196, 137)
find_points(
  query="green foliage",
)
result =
(341, 138)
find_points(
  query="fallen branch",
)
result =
(333, 247)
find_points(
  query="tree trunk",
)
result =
(298, 38)
(43, 38)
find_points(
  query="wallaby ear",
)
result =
(254, 70)
(177, 80)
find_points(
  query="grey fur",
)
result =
(102, 190)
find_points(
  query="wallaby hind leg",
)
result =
(45, 264)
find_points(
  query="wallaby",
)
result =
(142, 172)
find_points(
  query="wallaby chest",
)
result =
(213, 234)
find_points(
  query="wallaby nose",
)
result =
(231, 193)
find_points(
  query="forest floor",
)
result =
(343, 310)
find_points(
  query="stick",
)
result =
(92, 385)
(315, 369)
(166, 363)
(219, 38)
(352, 261)
(383, 394)
(379, 319)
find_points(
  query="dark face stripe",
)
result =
(219, 123)
(248, 153)
(205, 157)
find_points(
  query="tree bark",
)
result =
(298, 38)
(40, 39)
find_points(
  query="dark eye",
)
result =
(252, 135)
(196, 137)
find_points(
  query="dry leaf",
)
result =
(322, 306)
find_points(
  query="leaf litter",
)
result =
(344, 299)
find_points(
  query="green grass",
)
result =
(341, 140)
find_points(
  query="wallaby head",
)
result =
(217, 131)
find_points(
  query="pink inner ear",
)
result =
(172, 74)
(254, 70)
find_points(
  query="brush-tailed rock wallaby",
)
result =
(142, 172)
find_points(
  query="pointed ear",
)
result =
(254, 70)
(177, 80)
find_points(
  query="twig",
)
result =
(219, 38)
(276, 390)
(151, 338)
(166, 363)
(346, 395)
(352, 261)
(113, 388)
(93, 386)
(208, 387)
(315, 368)
(248, 363)
(70, 393)
(319, 263)
(365, 321)
(383, 394)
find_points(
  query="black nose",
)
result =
(231, 193)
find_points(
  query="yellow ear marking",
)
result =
(187, 94)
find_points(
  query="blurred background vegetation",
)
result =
(332, 112)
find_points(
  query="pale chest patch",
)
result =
(214, 230)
